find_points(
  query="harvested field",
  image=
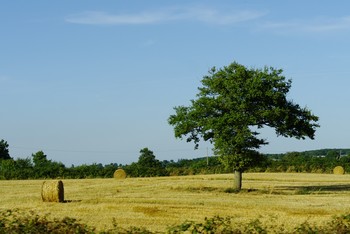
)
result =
(156, 203)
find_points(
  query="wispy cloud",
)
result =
(310, 26)
(220, 17)
(104, 18)
(200, 14)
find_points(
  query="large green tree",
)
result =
(232, 104)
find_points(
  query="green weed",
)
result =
(16, 221)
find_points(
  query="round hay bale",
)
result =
(119, 174)
(338, 170)
(52, 191)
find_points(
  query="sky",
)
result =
(95, 81)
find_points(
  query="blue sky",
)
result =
(95, 81)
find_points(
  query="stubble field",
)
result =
(286, 199)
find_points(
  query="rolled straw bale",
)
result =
(338, 170)
(119, 174)
(52, 191)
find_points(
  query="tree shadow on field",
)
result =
(312, 189)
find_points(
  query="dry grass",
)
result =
(156, 203)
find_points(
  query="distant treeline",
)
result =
(38, 166)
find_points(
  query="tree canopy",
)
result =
(232, 104)
(147, 165)
(4, 150)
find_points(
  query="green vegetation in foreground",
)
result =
(16, 221)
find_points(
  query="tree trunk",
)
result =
(238, 180)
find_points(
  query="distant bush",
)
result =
(15, 221)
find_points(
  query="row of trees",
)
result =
(306, 162)
(39, 166)
(309, 161)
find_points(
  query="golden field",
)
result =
(156, 203)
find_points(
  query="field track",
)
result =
(156, 203)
